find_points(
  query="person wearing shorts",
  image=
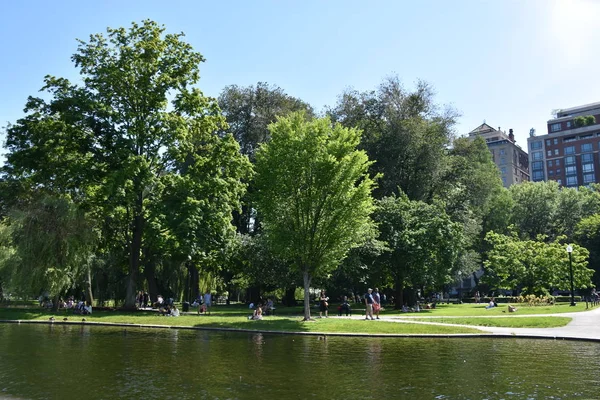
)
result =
(369, 304)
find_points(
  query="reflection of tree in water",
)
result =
(374, 353)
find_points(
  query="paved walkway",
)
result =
(584, 325)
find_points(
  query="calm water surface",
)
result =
(74, 362)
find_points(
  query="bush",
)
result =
(532, 300)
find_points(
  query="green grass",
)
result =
(480, 310)
(507, 322)
(232, 317)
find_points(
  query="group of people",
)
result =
(204, 303)
(142, 299)
(266, 307)
(372, 303)
(77, 307)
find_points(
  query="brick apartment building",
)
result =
(569, 153)
(511, 159)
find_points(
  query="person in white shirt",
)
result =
(207, 301)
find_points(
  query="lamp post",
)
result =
(570, 250)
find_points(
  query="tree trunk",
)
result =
(151, 279)
(289, 299)
(55, 303)
(399, 293)
(89, 296)
(194, 282)
(134, 255)
(306, 277)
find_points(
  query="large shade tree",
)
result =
(314, 192)
(135, 127)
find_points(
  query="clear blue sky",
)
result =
(510, 62)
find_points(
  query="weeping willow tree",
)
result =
(52, 242)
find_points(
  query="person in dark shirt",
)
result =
(369, 303)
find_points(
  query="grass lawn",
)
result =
(507, 322)
(237, 317)
(466, 310)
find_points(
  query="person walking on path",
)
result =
(323, 304)
(376, 302)
(369, 304)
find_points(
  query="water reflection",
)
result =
(45, 361)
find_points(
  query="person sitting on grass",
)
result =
(512, 308)
(174, 312)
(491, 305)
(257, 314)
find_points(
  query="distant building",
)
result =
(511, 159)
(568, 154)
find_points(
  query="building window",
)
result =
(570, 139)
(587, 167)
(537, 165)
(550, 163)
(503, 170)
(536, 145)
(587, 158)
(537, 155)
(550, 172)
(570, 150)
(538, 176)
(502, 152)
(557, 162)
(571, 170)
(555, 140)
(504, 180)
(548, 142)
(588, 178)
(549, 153)
(571, 180)
(569, 124)
(585, 136)
(555, 152)
(557, 171)
(586, 147)
(555, 127)
(569, 160)
(559, 181)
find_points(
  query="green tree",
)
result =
(588, 235)
(249, 111)
(52, 242)
(314, 194)
(117, 141)
(535, 266)
(535, 208)
(423, 244)
(404, 132)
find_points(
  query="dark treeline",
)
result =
(134, 180)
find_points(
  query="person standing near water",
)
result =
(376, 302)
(369, 304)
(323, 304)
(207, 301)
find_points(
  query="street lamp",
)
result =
(570, 250)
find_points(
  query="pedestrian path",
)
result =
(583, 325)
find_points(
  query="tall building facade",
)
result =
(511, 159)
(569, 152)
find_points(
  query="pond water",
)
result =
(76, 362)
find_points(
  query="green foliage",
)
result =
(423, 244)
(584, 120)
(137, 145)
(535, 266)
(51, 246)
(314, 193)
(404, 133)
